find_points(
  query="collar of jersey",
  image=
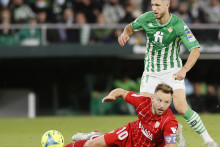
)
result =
(162, 25)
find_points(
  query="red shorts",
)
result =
(120, 137)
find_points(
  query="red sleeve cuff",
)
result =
(128, 96)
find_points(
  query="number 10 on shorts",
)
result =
(122, 134)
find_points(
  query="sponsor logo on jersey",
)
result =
(170, 29)
(146, 132)
(190, 36)
(185, 27)
(174, 129)
(150, 25)
(157, 124)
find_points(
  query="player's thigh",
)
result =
(179, 101)
(148, 84)
(97, 142)
(167, 78)
(120, 137)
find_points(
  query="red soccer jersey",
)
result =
(150, 129)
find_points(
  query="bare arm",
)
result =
(114, 94)
(219, 35)
(125, 36)
(193, 57)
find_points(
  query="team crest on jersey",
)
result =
(150, 25)
(168, 139)
(170, 29)
(157, 124)
(171, 139)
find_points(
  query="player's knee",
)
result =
(181, 108)
(88, 144)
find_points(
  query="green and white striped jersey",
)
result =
(163, 41)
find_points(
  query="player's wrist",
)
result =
(185, 68)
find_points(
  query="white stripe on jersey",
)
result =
(179, 56)
(169, 54)
(146, 53)
(149, 57)
(161, 58)
(155, 61)
(174, 53)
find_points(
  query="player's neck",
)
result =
(153, 111)
(164, 19)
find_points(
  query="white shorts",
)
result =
(150, 81)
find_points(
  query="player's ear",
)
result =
(168, 3)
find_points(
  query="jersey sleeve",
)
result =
(135, 99)
(137, 23)
(170, 129)
(187, 36)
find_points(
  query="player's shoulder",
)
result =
(169, 115)
(134, 94)
(147, 15)
(176, 19)
(177, 22)
(169, 118)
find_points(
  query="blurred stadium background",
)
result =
(61, 57)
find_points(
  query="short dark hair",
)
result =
(164, 88)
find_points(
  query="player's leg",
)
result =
(148, 84)
(192, 118)
(89, 136)
(87, 140)
(179, 136)
(79, 143)
(181, 105)
(97, 142)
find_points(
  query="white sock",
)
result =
(206, 137)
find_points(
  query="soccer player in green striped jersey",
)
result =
(165, 33)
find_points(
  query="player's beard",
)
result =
(156, 111)
(161, 15)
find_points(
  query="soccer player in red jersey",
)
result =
(156, 125)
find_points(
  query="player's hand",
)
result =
(122, 39)
(108, 99)
(180, 75)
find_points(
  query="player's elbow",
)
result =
(121, 92)
(196, 52)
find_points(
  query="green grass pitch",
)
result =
(24, 132)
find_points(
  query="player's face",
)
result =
(161, 102)
(160, 8)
